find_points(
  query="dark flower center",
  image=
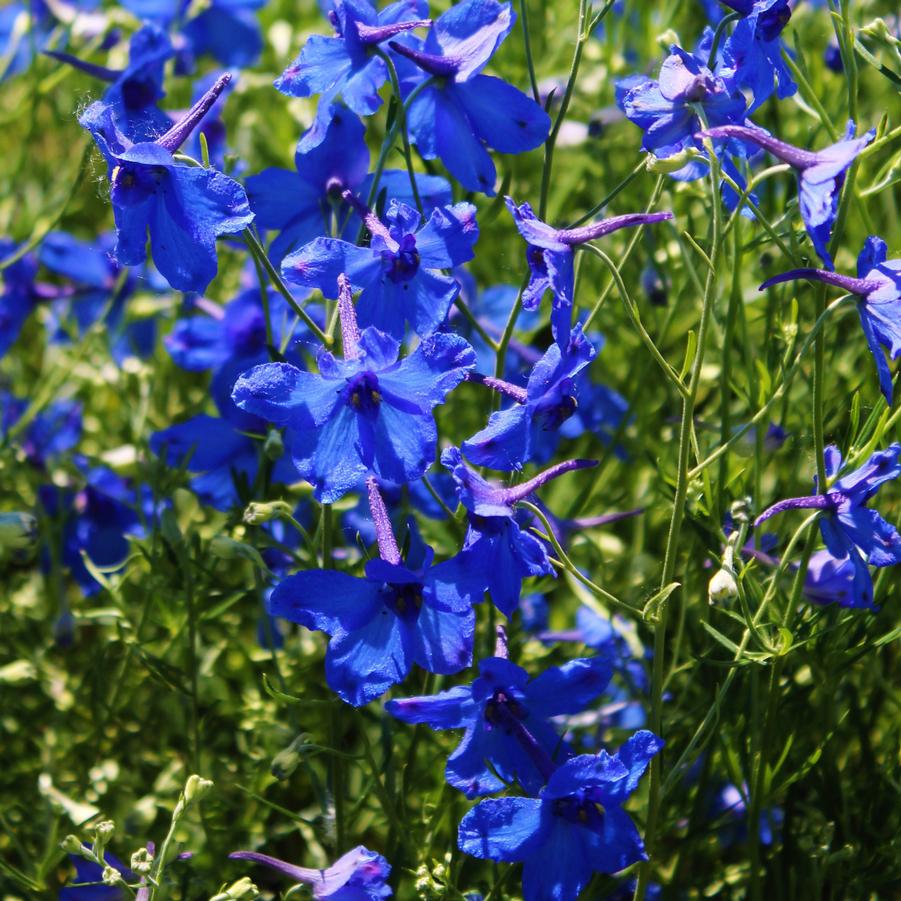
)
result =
(362, 393)
(139, 92)
(552, 411)
(405, 599)
(503, 711)
(401, 265)
(581, 810)
(772, 22)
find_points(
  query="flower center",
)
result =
(401, 265)
(362, 393)
(503, 712)
(405, 599)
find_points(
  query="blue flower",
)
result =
(575, 828)
(821, 175)
(496, 549)
(55, 429)
(399, 272)
(849, 528)
(17, 42)
(371, 413)
(228, 31)
(754, 49)
(398, 615)
(19, 294)
(184, 208)
(514, 436)
(731, 811)
(134, 91)
(667, 110)
(88, 871)
(551, 253)
(346, 66)
(358, 875)
(878, 285)
(489, 755)
(463, 110)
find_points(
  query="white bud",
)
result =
(111, 876)
(242, 890)
(142, 861)
(723, 587)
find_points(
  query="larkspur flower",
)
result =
(346, 65)
(730, 810)
(754, 49)
(299, 204)
(367, 414)
(86, 871)
(576, 826)
(849, 528)
(184, 208)
(20, 293)
(52, 431)
(498, 551)
(493, 707)
(398, 274)
(514, 435)
(401, 613)
(134, 91)
(358, 875)
(821, 174)
(878, 287)
(551, 255)
(462, 110)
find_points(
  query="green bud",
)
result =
(142, 861)
(257, 512)
(667, 39)
(103, 832)
(196, 787)
(741, 510)
(671, 163)
(274, 446)
(111, 876)
(723, 587)
(287, 760)
(71, 844)
(242, 890)
(18, 532)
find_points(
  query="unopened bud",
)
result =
(287, 760)
(667, 39)
(723, 587)
(257, 512)
(71, 844)
(103, 832)
(668, 165)
(18, 532)
(242, 890)
(741, 510)
(274, 446)
(196, 787)
(111, 876)
(142, 861)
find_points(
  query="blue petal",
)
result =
(471, 32)
(459, 147)
(502, 829)
(568, 689)
(326, 600)
(444, 641)
(318, 265)
(207, 442)
(502, 116)
(447, 239)
(504, 443)
(878, 539)
(275, 391)
(451, 709)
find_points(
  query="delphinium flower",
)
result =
(398, 274)
(821, 174)
(730, 811)
(87, 871)
(24, 28)
(754, 49)
(134, 90)
(849, 528)
(20, 293)
(574, 828)
(403, 612)
(878, 288)
(358, 875)
(346, 65)
(369, 413)
(53, 430)
(551, 254)
(184, 208)
(498, 551)
(514, 435)
(461, 110)
(299, 205)
(491, 710)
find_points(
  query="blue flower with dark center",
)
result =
(358, 875)
(367, 414)
(184, 208)
(491, 709)
(576, 826)
(878, 287)
(134, 91)
(346, 65)
(498, 551)
(462, 110)
(551, 255)
(753, 52)
(849, 528)
(821, 174)
(398, 615)
(513, 435)
(399, 273)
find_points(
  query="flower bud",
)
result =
(287, 760)
(668, 165)
(103, 832)
(142, 861)
(111, 876)
(723, 587)
(274, 446)
(667, 39)
(242, 890)
(71, 844)
(257, 512)
(18, 532)
(196, 787)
